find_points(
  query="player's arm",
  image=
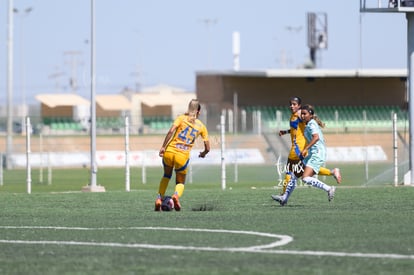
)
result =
(206, 149)
(315, 138)
(167, 139)
(284, 132)
(204, 135)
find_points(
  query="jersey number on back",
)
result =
(183, 135)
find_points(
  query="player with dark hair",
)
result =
(294, 166)
(175, 151)
(313, 154)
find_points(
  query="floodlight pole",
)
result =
(93, 100)
(9, 140)
(93, 187)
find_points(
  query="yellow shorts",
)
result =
(178, 161)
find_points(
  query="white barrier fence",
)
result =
(150, 158)
(147, 158)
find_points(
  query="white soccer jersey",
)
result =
(319, 147)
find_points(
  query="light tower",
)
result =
(93, 186)
(317, 33)
(407, 7)
(10, 39)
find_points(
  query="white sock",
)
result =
(316, 183)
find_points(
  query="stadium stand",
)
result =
(343, 117)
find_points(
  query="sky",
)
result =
(141, 43)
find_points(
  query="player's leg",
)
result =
(294, 169)
(180, 174)
(285, 182)
(167, 161)
(179, 190)
(290, 186)
(310, 170)
(336, 173)
(179, 186)
(324, 172)
(165, 180)
(292, 166)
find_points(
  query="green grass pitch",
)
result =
(57, 229)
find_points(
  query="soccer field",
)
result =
(58, 229)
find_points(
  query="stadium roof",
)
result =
(164, 95)
(113, 102)
(54, 100)
(300, 73)
(162, 88)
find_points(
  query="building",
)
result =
(220, 90)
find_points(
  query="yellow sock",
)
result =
(324, 172)
(179, 189)
(163, 186)
(285, 182)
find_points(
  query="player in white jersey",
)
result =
(314, 154)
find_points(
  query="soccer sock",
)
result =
(163, 186)
(289, 187)
(316, 183)
(179, 189)
(285, 182)
(324, 172)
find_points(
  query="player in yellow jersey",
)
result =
(175, 151)
(294, 167)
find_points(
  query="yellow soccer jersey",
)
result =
(297, 129)
(185, 135)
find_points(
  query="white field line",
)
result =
(282, 240)
(224, 249)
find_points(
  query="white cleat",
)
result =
(279, 199)
(331, 193)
